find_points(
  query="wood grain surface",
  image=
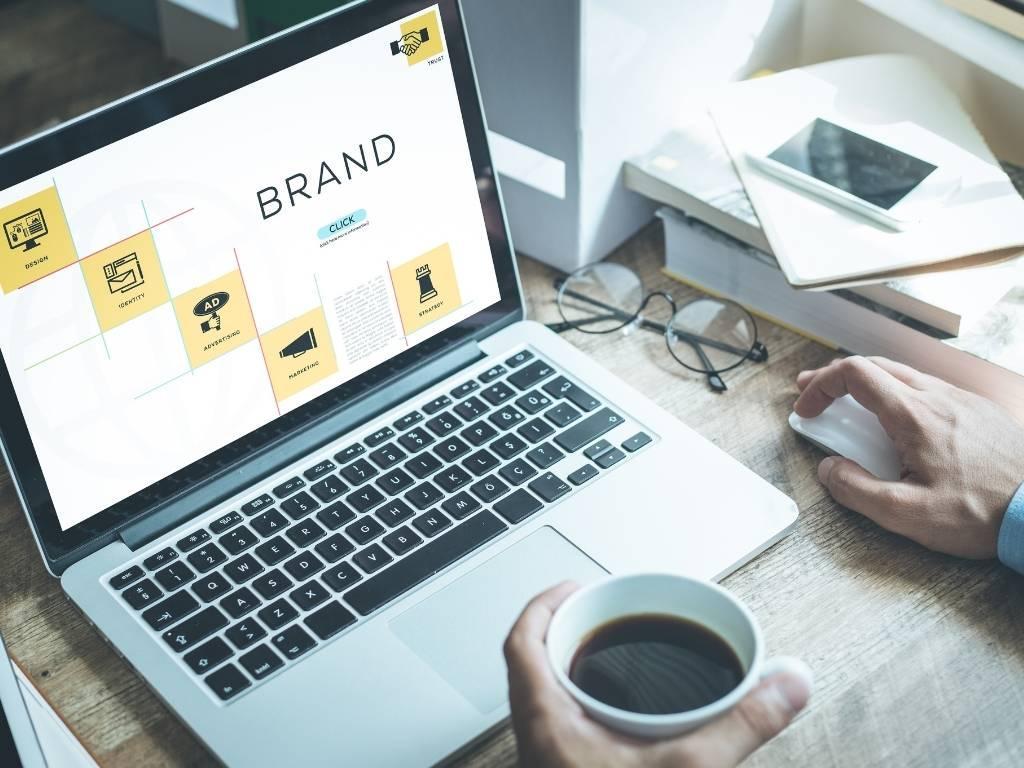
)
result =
(919, 658)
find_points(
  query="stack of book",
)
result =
(1007, 15)
(964, 325)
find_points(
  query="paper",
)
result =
(60, 747)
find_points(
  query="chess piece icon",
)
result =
(427, 290)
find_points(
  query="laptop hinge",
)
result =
(290, 448)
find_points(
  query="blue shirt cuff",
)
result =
(1010, 547)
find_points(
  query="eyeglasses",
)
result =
(705, 335)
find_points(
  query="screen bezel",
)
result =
(171, 98)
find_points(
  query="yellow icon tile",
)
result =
(426, 288)
(215, 318)
(421, 38)
(125, 280)
(35, 240)
(299, 353)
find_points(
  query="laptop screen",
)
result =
(184, 286)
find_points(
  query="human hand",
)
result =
(552, 731)
(962, 455)
(410, 43)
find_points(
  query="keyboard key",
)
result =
(126, 577)
(387, 456)
(518, 472)
(517, 506)
(402, 540)
(479, 433)
(309, 595)
(437, 404)
(288, 487)
(423, 464)
(424, 562)
(350, 453)
(606, 459)
(394, 481)
(431, 523)
(636, 442)
(545, 455)
(471, 408)
(453, 478)
(533, 402)
(243, 569)
(415, 440)
(563, 388)
(277, 614)
(304, 534)
(491, 374)
(460, 506)
(272, 584)
(464, 389)
(451, 449)
(208, 655)
(365, 499)
(299, 505)
(224, 522)
(536, 430)
(238, 540)
(335, 548)
(562, 415)
(508, 446)
(293, 642)
(359, 471)
(174, 576)
(254, 506)
(496, 394)
(167, 612)
(335, 516)
(597, 449)
(162, 557)
(364, 530)
(274, 551)
(408, 420)
(481, 462)
(506, 418)
(588, 430)
(245, 633)
(320, 469)
(142, 594)
(380, 436)
(549, 487)
(211, 587)
(341, 577)
(531, 375)
(207, 558)
(373, 558)
(269, 523)
(584, 473)
(193, 540)
(424, 495)
(227, 682)
(195, 629)
(303, 565)
(329, 488)
(395, 512)
(489, 489)
(260, 662)
(519, 358)
(444, 424)
(329, 620)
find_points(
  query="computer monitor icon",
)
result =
(24, 231)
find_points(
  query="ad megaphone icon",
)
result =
(301, 345)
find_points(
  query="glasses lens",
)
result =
(711, 335)
(600, 298)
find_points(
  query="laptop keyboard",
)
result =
(257, 588)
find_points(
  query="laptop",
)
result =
(276, 416)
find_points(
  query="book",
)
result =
(988, 360)
(689, 169)
(1006, 15)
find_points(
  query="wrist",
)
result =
(1010, 544)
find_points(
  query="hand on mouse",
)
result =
(962, 455)
(552, 730)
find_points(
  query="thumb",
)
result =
(887, 502)
(760, 716)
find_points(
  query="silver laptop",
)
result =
(277, 419)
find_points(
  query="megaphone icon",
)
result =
(301, 345)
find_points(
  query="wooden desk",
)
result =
(919, 657)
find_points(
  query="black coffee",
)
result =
(654, 664)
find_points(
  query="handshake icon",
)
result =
(410, 42)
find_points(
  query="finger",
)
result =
(909, 376)
(759, 717)
(871, 386)
(892, 505)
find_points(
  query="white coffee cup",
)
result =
(618, 597)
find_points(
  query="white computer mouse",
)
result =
(849, 429)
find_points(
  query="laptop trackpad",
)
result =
(459, 631)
